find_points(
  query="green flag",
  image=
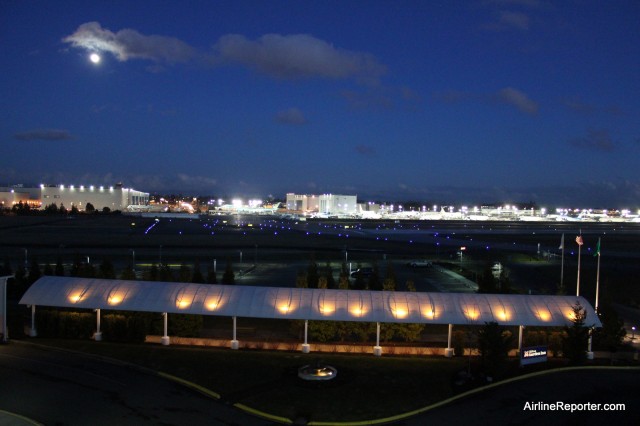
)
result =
(597, 253)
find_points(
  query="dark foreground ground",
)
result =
(57, 387)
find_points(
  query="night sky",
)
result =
(438, 101)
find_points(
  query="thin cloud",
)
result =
(279, 56)
(129, 44)
(298, 56)
(365, 150)
(44, 135)
(587, 108)
(291, 116)
(517, 20)
(595, 140)
(518, 99)
(189, 181)
(508, 96)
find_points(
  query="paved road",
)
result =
(56, 387)
(505, 405)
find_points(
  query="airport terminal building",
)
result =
(326, 203)
(115, 197)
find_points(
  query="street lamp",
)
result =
(633, 333)
(133, 260)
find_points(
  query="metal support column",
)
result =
(520, 332)
(234, 342)
(377, 349)
(97, 336)
(165, 338)
(305, 346)
(449, 351)
(33, 332)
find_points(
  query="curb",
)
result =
(465, 394)
(16, 419)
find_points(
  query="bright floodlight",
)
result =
(95, 58)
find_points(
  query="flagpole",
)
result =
(598, 277)
(589, 351)
(562, 266)
(579, 241)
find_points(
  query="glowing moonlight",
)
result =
(95, 58)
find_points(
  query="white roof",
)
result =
(306, 304)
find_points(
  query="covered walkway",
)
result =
(304, 304)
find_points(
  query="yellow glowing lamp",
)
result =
(430, 314)
(400, 313)
(327, 309)
(284, 309)
(115, 299)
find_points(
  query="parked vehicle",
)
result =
(420, 264)
(365, 272)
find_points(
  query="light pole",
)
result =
(133, 260)
(633, 333)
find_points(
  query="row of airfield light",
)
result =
(357, 309)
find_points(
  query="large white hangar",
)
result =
(305, 304)
(325, 203)
(115, 197)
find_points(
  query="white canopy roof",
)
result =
(306, 304)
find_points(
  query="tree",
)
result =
(197, 276)
(389, 283)
(6, 268)
(211, 276)
(90, 208)
(493, 344)
(612, 333)
(106, 270)
(62, 209)
(184, 275)
(74, 209)
(153, 274)
(374, 278)
(59, 271)
(411, 285)
(34, 271)
(312, 273)
(504, 283)
(229, 277)
(48, 270)
(128, 273)
(51, 209)
(328, 273)
(486, 281)
(165, 273)
(359, 283)
(576, 336)
(322, 282)
(301, 280)
(344, 277)
(106, 210)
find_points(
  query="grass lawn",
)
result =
(365, 388)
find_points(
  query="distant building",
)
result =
(325, 204)
(114, 197)
(9, 196)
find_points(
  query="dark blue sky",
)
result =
(443, 101)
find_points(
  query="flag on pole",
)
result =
(561, 243)
(597, 253)
(579, 240)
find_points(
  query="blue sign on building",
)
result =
(533, 355)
